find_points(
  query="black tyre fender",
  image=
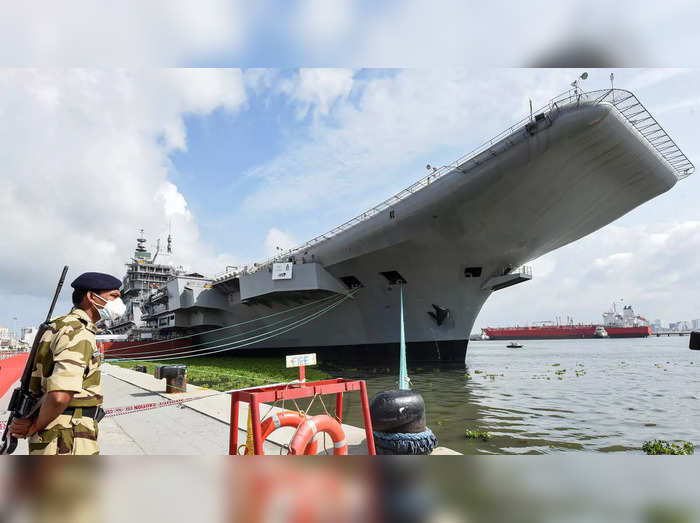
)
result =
(397, 411)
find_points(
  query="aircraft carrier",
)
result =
(448, 242)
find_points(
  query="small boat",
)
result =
(514, 345)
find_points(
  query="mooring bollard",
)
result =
(398, 420)
(139, 368)
(398, 416)
(175, 377)
(694, 340)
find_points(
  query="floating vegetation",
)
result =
(661, 447)
(556, 364)
(668, 513)
(478, 371)
(477, 434)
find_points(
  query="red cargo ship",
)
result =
(615, 325)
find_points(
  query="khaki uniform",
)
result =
(68, 360)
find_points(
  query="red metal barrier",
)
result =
(11, 370)
(273, 393)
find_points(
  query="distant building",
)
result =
(28, 334)
(696, 325)
(4, 333)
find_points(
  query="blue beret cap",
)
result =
(96, 281)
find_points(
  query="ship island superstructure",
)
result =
(449, 240)
(143, 276)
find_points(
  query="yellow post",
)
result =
(249, 448)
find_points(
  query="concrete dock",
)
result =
(199, 427)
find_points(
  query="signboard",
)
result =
(282, 271)
(297, 360)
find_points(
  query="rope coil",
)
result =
(405, 443)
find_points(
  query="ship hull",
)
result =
(628, 332)
(564, 333)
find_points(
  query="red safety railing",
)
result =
(11, 370)
(294, 391)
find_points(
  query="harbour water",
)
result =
(555, 396)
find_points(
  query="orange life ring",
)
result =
(286, 418)
(312, 426)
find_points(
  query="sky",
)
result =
(199, 120)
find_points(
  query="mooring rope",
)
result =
(248, 341)
(227, 326)
(403, 371)
(166, 350)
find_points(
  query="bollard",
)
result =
(398, 420)
(694, 340)
(139, 368)
(175, 377)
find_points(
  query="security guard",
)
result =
(67, 372)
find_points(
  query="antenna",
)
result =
(530, 109)
(612, 85)
(157, 251)
(170, 238)
(575, 83)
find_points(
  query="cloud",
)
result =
(314, 91)
(99, 32)
(318, 23)
(85, 165)
(278, 239)
(423, 33)
(318, 89)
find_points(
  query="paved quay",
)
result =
(198, 427)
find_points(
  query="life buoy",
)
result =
(286, 418)
(303, 439)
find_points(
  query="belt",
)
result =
(96, 413)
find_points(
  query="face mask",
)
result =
(112, 309)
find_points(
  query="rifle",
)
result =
(23, 404)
